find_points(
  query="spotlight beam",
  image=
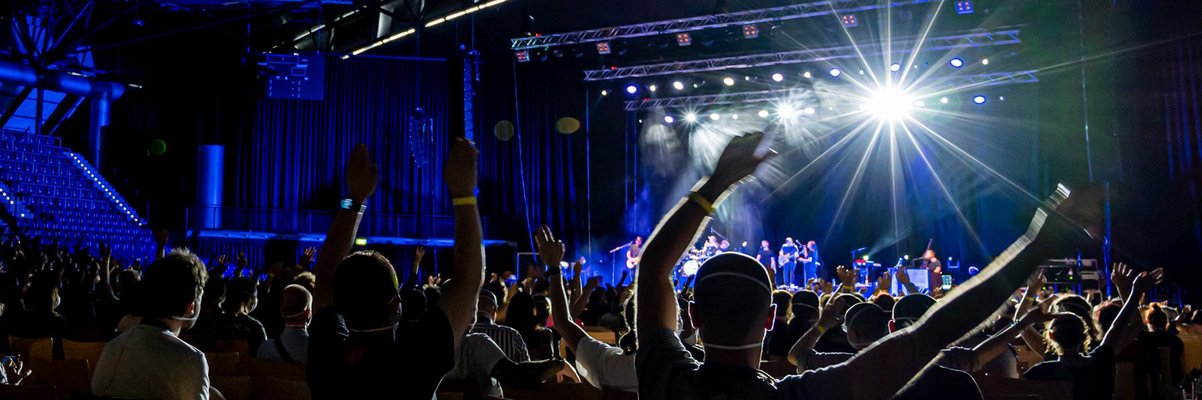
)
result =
(972, 233)
(961, 153)
(921, 39)
(854, 185)
(838, 144)
(859, 54)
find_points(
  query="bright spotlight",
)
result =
(715, 116)
(763, 113)
(956, 62)
(678, 85)
(652, 88)
(979, 99)
(984, 61)
(810, 111)
(785, 111)
(668, 119)
(807, 75)
(632, 89)
(895, 67)
(690, 117)
(604, 92)
(835, 72)
(778, 77)
(943, 100)
(920, 103)
(734, 116)
(889, 104)
(728, 81)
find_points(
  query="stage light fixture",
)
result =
(715, 116)
(979, 99)
(632, 89)
(810, 111)
(763, 114)
(920, 103)
(849, 21)
(964, 7)
(678, 85)
(668, 119)
(889, 104)
(690, 117)
(807, 75)
(778, 77)
(747, 78)
(956, 62)
(652, 88)
(895, 67)
(734, 116)
(603, 48)
(984, 61)
(523, 56)
(728, 81)
(684, 39)
(835, 72)
(750, 31)
(604, 92)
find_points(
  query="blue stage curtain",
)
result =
(540, 172)
(294, 159)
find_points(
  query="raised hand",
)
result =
(241, 261)
(550, 250)
(460, 172)
(419, 253)
(1122, 275)
(576, 267)
(832, 314)
(593, 283)
(105, 251)
(884, 283)
(160, 237)
(306, 259)
(902, 276)
(739, 159)
(1145, 281)
(847, 277)
(1039, 312)
(362, 175)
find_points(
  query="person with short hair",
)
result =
(149, 361)
(296, 308)
(508, 339)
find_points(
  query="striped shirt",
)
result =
(507, 338)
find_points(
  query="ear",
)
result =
(309, 314)
(770, 322)
(892, 326)
(692, 317)
(190, 310)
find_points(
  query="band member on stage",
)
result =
(788, 261)
(710, 248)
(634, 252)
(929, 261)
(935, 269)
(766, 257)
(810, 261)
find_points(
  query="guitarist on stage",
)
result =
(634, 252)
(787, 261)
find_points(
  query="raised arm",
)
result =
(830, 317)
(913, 348)
(361, 180)
(655, 299)
(459, 297)
(1116, 336)
(550, 251)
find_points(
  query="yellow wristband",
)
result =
(701, 201)
(821, 330)
(464, 201)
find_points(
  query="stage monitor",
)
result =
(295, 76)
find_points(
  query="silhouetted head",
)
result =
(365, 291)
(732, 301)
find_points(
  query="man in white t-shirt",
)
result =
(149, 361)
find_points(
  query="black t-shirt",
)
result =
(942, 383)
(766, 256)
(408, 365)
(1092, 380)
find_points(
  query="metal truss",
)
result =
(964, 82)
(796, 11)
(976, 39)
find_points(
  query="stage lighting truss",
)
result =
(671, 27)
(962, 41)
(698, 102)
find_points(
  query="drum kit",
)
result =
(691, 262)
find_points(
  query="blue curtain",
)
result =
(294, 159)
